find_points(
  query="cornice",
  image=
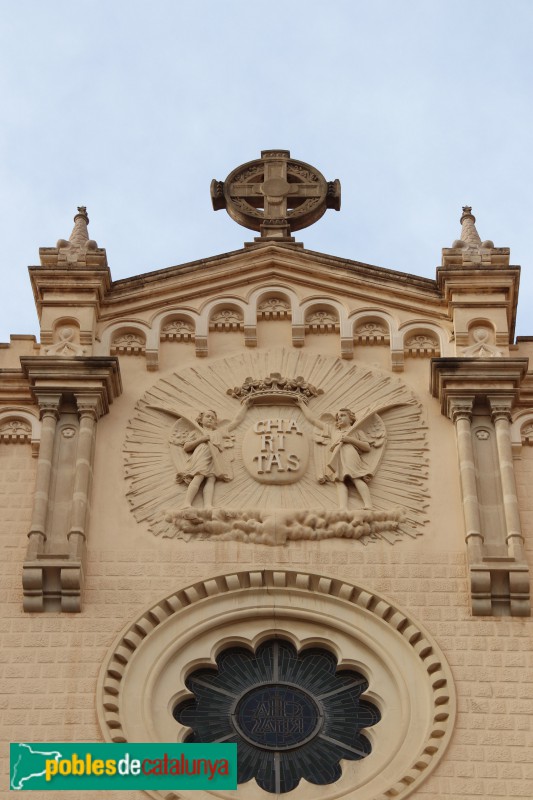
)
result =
(476, 377)
(262, 253)
(95, 282)
(321, 273)
(14, 388)
(79, 375)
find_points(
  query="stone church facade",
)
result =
(292, 481)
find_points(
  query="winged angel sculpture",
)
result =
(347, 459)
(199, 451)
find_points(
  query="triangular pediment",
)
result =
(272, 263)
(234, 293)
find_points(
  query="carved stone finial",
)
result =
(79, 238)
(469, 251)
(469, 234)
(275, 195)
(80, 234)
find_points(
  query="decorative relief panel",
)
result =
(128, 344)
(371, 333)
(66, 344)
(482, 347)
(178, 330)
(227, 319)
(321, 322)
(15, 431)
(274, 308)
(422, 345)
(527, 434)
(276, 458)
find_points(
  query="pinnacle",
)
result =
(80, 234)
(469, 234)
(78, 246)
(469, 251)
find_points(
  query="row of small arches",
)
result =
(314, 316)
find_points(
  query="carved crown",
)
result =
(275, 388)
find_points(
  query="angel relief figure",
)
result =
(349, 458)
(199, 452)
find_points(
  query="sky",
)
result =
(131, 108)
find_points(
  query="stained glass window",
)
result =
(292, 715)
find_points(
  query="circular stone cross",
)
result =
(275, 195)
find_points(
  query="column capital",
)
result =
(460, 408)
(48, 404)
(501, 407)
(89, 405)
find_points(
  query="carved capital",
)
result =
(48, 405)
(298, 335)
(52, 583)
(201, 346)
(500, 408)
(460, 408)
(89, 405)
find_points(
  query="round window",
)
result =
(330, 690)
(292, 715)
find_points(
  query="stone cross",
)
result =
(275, 195)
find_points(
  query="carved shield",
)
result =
(275, 449)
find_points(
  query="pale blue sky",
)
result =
(130, 108)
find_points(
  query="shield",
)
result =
(275, 450)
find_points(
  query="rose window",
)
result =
(291, 714)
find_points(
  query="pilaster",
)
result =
(72, 395)
(487, 389)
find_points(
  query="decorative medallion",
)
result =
(275, 195)
(304, 447)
